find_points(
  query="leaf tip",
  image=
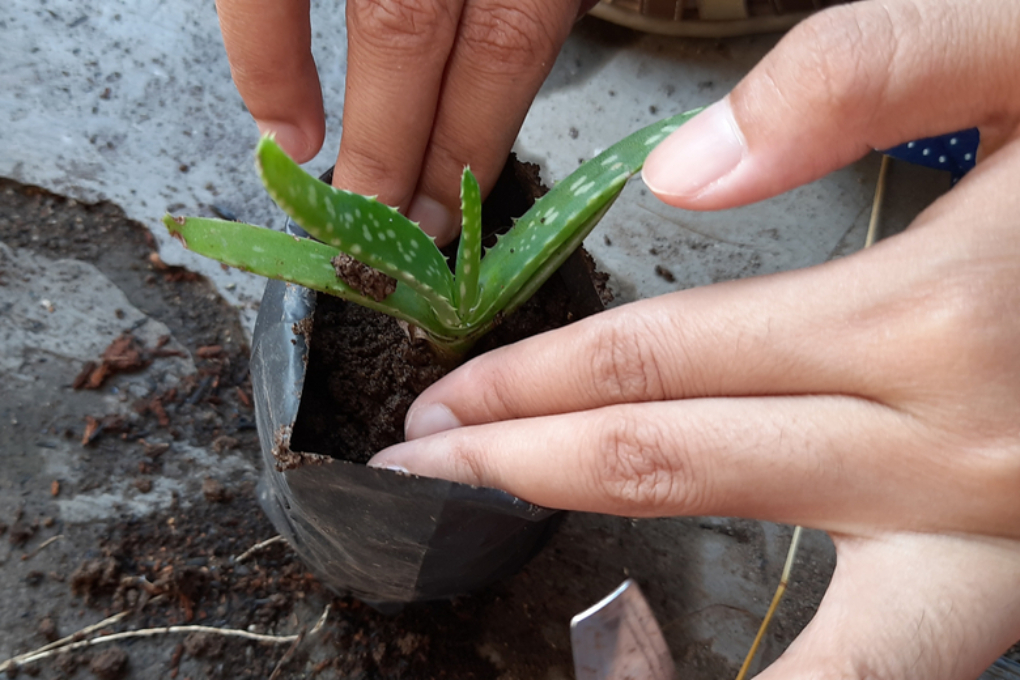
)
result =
(172, 223)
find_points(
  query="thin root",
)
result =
(74, 642)
(49, 541)
(257, 547)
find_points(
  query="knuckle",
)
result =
(842, 59)
(624, 363)
(365, 170)
(465, 463)
(637, 470)
(509, 35)
(500, 385)
(400, 24)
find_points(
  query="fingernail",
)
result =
(700, 153)
(434, 218)
(429, 419)
(399, 469)
(289, 137)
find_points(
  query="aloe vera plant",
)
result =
(368, 253)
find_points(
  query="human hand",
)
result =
(875, 397)
(432, 86)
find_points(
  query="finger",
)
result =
(269, 47)
(872, 325)
(908, 606)
(397, 52)
(861, 76)
(503, 52)
(836, 463)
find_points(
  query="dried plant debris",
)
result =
(125, 354)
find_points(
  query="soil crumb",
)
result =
(370, 282)
(110, 664)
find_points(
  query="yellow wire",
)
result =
(876, 210)
(876, 206)
(780, 591)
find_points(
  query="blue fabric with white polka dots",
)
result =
(955, 152)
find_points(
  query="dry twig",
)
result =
(257, 547)
(21, 658)
(48, 541)
(74, 642)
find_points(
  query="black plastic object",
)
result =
(379, 535)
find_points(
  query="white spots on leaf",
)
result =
(656, 138)
(366, 233)
(578, 182)
(312, 195)
(467, 268)
(586, 188)
(407, 258)
(258, 249)
(391, 233)
(355, 249)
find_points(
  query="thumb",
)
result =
(868, 75)
(910, 606)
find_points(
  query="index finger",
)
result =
(867, 325)
(268, 44)
(396, 55)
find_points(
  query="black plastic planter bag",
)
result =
(379, 535)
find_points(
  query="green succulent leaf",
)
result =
(559, 221)
(369, 231)
(453, 310)
(302, 261)
(469, 251)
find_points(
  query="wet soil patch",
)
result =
(363, 370)
(211, 405)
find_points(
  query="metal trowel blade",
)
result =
(619, 639)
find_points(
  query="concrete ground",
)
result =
(112, 113)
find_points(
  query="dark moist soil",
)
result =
(363, 371)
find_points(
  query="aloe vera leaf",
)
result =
(559, 221)
(302, 261)
(469, 252)
(369, 231)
